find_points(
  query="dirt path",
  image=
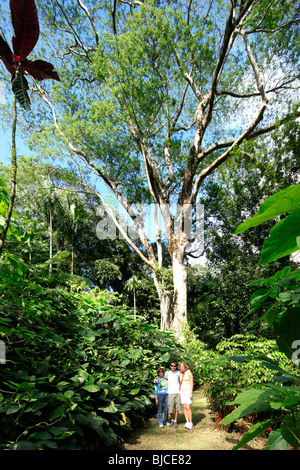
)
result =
(204, 436)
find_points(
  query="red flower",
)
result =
(269, 429)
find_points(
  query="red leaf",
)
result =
(6, 55)
(26, 26)
(40, 69)
(9, 65)
(5, 50)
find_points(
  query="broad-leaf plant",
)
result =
(278, 300)
(26, 28)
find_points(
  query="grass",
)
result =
(205, 435)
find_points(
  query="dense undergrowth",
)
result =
(78, 371)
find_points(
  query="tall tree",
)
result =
(155, 96)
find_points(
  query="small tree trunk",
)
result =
(13, 180)
(72, 260)
(134, 304)
(50, 241)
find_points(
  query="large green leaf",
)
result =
(290, 430)
(280, 203)
(256, 430)
(283, 239)
(20, 87)
(57, 413)
(251, 401)
(276, 441)
(287, 329)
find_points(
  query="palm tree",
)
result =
(131, 285)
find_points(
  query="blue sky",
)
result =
(5, 146)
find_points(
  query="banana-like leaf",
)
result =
(20, 87)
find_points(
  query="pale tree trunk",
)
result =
(166, 307)
(166, 312)
(180, 289)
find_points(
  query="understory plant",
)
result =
(78, 372)
(226, 372)
(278, 301)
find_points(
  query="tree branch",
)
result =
(111, 184)
(251, 136)
(84, 7)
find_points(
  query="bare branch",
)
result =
(253, 135)
(254, 65)
(84, 7)
(187, 76)
(222, 158)
(121, 229)
(275, 89)
(111, 184)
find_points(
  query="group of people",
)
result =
(174, 389)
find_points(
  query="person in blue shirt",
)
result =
(161, 398)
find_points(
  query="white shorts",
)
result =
(185, 398)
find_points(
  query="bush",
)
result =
(78, 372)
(236, 365)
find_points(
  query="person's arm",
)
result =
(191, 383)
(156, 400)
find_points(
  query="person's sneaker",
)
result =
(175, 424)
(188, 425)
(167, 423)
(172, 422)
(161, 425)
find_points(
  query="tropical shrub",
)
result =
(279, 301)
(78, 371)
(195, 353)
(236, 365)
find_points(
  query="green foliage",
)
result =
(284, 236)
(219, 300)
(20, 87)
(79, 372)
(279, 298)
(194, 355)
(236, 365)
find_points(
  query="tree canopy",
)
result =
(156, 96)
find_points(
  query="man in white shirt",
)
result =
(174, 402)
